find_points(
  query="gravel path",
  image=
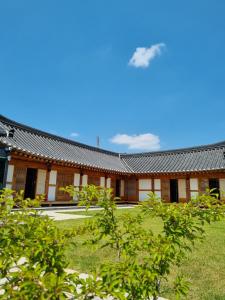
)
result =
(58, 214)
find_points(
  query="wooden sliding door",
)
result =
(63, 180)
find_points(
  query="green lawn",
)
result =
(204, 267)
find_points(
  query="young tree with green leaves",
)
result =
(32, 252)
(144, 259)
(32, 248)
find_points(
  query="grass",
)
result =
(204, 267)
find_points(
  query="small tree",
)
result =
(144, 259)
(32, 258)
(32, 249)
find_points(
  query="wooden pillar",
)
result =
(49, 167)
(47, 184)
(188, 189)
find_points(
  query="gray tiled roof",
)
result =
(3, 131)
(184, 160)
(49, 146)
(36, 142)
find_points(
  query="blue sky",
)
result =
(64, 68)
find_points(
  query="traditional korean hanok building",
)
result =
(41, 163)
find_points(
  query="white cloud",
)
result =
(146, 141)
(74, 134)
(143, 56)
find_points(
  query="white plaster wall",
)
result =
(53, 177)
(84, 180)
(75, 197)
(157, 184)
(108, 183)
(145, 184)
(143, 195)
(41, 178)
(182, 188)
(193, 184)
(222, 187)
(76, 180)
(51, 193)
(158, 193)
(102, 182)
(222, 184)
(194, 194)
(10, 173)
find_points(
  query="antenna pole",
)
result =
(98, 141)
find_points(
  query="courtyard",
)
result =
(112, 150)
(204, 267)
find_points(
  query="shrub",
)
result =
(144, 258)
(32, 249)
(32, 259)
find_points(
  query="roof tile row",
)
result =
(36, 142)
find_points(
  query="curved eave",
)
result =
(39, 132)
(62, 162)
(186, 172)
(50, 148)
(176, 151)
